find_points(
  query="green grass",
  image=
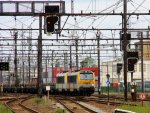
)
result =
(4, 109)
(44, 101)
(138, 108)
(39, 101)
(59, 110)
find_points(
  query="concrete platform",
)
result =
(92, 107)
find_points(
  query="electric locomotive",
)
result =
(81, 82)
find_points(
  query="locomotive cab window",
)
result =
(86, 76)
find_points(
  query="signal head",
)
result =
(50, 23)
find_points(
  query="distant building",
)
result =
(110, 67)
(146, 49)
(114, 78)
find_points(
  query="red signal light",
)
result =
(50, 23)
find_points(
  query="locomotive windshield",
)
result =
(86, 76)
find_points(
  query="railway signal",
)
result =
(119, 67)
(128, 36)
(50, 23)
(131, 62)
(52, 9)
(132, 59)
(132, 54)
(4, 66)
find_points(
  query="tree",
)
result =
(88, 62)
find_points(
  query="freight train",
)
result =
(78, 83)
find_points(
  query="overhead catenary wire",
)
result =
(81, 34)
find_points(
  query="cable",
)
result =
(139, 5)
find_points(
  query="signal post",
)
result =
(132, 59)
(119, 68)
(4, 66)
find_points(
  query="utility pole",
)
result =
(1, 75)
(1, 81)
(65, 62)
(28, 68)
(9, 75)
(131, 76)
(20, 73)
(35, 65)
(124, 48)
(76, 45)
(15, 60)
(46, 72)
(23, 56)
(70, 58)
(142, 74)
(23, 73)
(39, 84)
(52, 64)
(30, 46)
(98, 55)
(108, 76)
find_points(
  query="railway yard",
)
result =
(20, 103)
(74, 56)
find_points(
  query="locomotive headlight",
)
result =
(93, 85)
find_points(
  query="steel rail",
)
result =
(26, 107)
(11, 101)
(86, 108)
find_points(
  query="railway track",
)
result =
(101, 101)
(16, 106)
(118, 98)
(73, 106)
(112, 101)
